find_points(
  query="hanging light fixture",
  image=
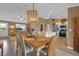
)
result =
(32, 15)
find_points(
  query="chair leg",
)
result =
(2, 52)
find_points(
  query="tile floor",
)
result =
(61, 48)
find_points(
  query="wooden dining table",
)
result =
(37, 43)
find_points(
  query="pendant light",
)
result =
(32, 15)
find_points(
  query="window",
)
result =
(20, 27)
(3, 26)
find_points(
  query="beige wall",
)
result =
(72, 12)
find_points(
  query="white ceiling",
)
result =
(46, 10)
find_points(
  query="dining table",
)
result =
(37, 43)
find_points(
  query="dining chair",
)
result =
(24, 36)
(18, 43)
(22, 47)
(49, 50)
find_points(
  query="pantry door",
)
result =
(76, 34)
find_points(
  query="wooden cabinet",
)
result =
(11, 29)
(76, 34)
